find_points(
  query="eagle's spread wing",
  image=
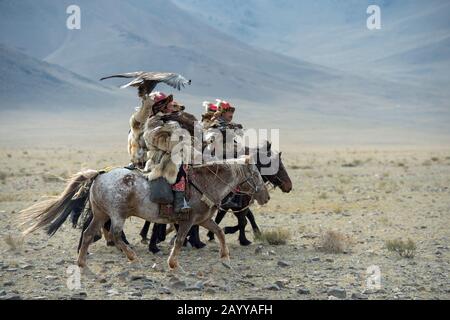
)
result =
(147, 81)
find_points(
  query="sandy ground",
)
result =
(370, 195)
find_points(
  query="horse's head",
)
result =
(272, 169)
(253, 184)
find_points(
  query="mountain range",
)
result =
(296, 61)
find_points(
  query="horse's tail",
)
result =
(55, 211)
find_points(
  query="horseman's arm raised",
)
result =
(141, 115)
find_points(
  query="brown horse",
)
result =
(122, 193)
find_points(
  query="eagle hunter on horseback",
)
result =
(157, 192)
(219, 115)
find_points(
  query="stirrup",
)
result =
(167, 211)
(186, 207)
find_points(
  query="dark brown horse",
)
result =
(239, 204)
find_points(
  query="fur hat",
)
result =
(209, 107)
(224, 106)
(157, 96)
(161, 100)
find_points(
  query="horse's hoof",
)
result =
(154, 250)
(110, 244)
(199, 245)
(81, 264)
(144, 241)
(173, 265)
(133, 258)
(226, 262)
(245, 242)
(225, 255)
(229, 230)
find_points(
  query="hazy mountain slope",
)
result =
(35, 27)
(428, 63)
(31, 83)
(328, 32)
(118, 36)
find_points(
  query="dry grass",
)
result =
(406, 249)
(14, 243)
(323, 196)
(51, 178)
(336, 208)
(277, 236)
(334, 242)
(385, 221)
(354, 163)
(344, 179)
(426, 163)
(388, 186)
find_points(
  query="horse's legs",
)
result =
(117, 223)
(213, 227)
(219, 216)
(108, 236)
(106, 232)
(161, 232)
(194, 237)
(144, 232)
(183, 230)
(177, 226)
(251, 219)
(94, 227)
(85, 226)
(152, 247)
(233, 229)
(242, 222)
(170, 229)
(236, 228)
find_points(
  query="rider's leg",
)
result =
(180, 203)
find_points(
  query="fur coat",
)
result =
(136, 143)
(157, 137)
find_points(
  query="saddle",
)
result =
(161, 193)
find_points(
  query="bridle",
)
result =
(273, 185)
(248, 180)
(276, 184)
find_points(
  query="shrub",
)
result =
(406, 249)
(333, 242)
(277, 236)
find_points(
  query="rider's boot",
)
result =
(180, 204)
(131, 166)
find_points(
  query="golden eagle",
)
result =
(147, 81)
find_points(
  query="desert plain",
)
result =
(337, 229)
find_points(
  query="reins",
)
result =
(207, 199)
